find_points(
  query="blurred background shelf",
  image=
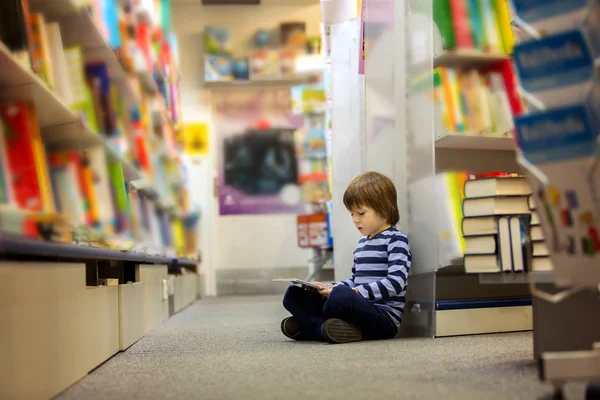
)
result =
(12, 245)
(61, 128)
(17, 83)
(255, 83)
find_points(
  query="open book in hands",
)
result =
(300, 282)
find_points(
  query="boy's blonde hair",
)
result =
(375, 191)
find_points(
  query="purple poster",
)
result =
(258, 167)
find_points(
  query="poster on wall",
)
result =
(258, 165)
(196, 138)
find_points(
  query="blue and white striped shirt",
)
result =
(380, 271)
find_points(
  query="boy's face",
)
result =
(368, 221)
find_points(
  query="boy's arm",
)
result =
(348, 282)
(399, 260)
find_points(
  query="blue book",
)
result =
(559, 69)
(553, 16)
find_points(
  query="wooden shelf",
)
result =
(517, 278)
(470, 142)
(13, 245)
(468, 58)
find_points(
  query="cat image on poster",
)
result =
(261, 162)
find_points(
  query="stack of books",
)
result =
(541, 255)
(482, 25)
(497, 225)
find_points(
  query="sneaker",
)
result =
(337, 331)
(291, 328)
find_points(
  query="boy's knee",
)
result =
(290, 296)
(339, 297)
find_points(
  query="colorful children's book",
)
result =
(26, 158)
(460, 21)
(443, 19)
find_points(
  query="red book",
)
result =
(21, 160)
(75, 159)
(505, 69)
(461, 23)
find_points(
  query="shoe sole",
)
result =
(285, 333)
(338, 331)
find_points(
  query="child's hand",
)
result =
(325, 292)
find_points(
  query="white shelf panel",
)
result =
(468, 59)
(471, 142)
(17, 83)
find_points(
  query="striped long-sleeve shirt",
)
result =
(380, 271)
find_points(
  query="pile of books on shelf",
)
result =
(66, 187)
(482, 25)
(501, 227)
(472, 102)
(291, 55)
(559, 143)
(311, 149)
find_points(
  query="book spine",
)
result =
(21, 160)
(41, 166)
(492, 34)
(506, 32)
(460, 21)
(478, 31)
(442, 17)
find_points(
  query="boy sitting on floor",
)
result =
(370, 304)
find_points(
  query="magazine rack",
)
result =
(573, 273)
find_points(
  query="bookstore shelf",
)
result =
(517, 278)
(468, 58)
(461, 141)
(19, 84)
(79, 29)
(254, 83)
(13, 245)
(464, 58)
(64, 130)
(61, 128)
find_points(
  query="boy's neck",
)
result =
(378, 231)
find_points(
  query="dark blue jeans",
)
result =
(311, 310)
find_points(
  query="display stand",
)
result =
(76, 300)
(436, 284)
(574, 354)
